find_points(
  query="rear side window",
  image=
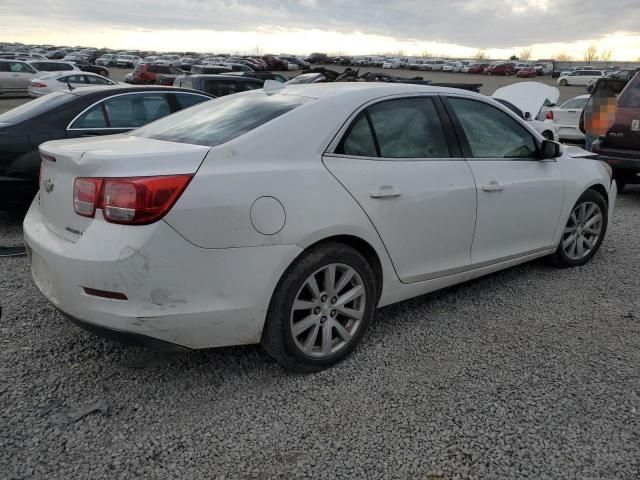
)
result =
(131, 111)
(577, 103)
(405, 128)
(630, 96)
(186, 100)
(221, 120)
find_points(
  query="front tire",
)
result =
(321, 308)
(563, 83)
(584, 232)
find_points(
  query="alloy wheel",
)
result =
(583, 231)
(328, 310)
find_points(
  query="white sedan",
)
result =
(68, 80)
(284, 216)
(566, 118)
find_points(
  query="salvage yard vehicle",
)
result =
(127, 61)
(53, 66)
(205, 229)
(218, 85)
(566, 118)
(147, 73)
(527, 72)
(83, 112)
(526, 99)
(56, 81)
(107, 60)
(501, 68)
(15, 76)
(579, 77)
(620, 147)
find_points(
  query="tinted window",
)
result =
(73, 79)
(97, 80)
(187, 100)
(92, 118)
(492, 133)
(130, 111)
(359, 140)
(220, 88)
(221, 120)
(250, 86)
(35, 107)
(630, 96)
(408, 128)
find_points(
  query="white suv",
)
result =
(579, 77)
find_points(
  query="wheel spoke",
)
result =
(304, 305)
(350, 313)
(589, 211)
(569, 230)
(345, 278)
(350, 295)
(580, 246)
(590, 243)
(569, 240)
(592, 231)
(326, 339)
(311, 339)
(304, 325)
(342, 332)
(313, 285)
(595, 219)
(330, 279)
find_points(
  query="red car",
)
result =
(478, 68)
(147, 73)
(528, 72)
(505, 69)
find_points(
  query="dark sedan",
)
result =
(88, 67)
(80, 113)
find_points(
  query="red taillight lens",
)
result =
(38, 84)
(141, 200)
(86, 193)
(549, 115)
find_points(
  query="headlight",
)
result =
(608, 168)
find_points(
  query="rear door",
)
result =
(519, 196)
(400, 162)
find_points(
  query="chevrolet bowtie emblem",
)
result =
(48, 185)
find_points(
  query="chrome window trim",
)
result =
(120, 95)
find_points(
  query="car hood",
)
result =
(528, 96)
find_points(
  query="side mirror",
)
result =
(549, 150)
(527, 115)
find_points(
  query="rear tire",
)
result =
(563, 83)
(584, 231)
(320, 309)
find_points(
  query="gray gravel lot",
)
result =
(529, 373)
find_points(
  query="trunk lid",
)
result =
(529, 96)
(112, 156)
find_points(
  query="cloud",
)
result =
(473, 23)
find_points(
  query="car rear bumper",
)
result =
(175, 292)
(625, 162)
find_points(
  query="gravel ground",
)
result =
(528, 373)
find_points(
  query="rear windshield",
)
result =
(35, 107)
(221, 120)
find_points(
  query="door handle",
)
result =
(492, 186)
(385, 191)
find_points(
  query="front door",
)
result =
(399, 164)
(519, 196)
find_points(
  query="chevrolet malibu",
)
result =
(284, 216)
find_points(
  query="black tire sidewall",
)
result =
(561, 259)
(277, 338)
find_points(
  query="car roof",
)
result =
(217, 76)
(116, 89)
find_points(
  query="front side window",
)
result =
(221, 120)
(404, 128)
(577, 103)
(492, 133)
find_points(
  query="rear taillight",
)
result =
(38, 84)
(131, 201)
(549, 115)
(86, 192)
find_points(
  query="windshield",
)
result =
(221, 120)
(35, 107)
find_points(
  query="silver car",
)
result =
(15, 77)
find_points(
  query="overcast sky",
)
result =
(351, 26)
